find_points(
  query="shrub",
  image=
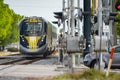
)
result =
(13, 49)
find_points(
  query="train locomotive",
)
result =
(37, 36)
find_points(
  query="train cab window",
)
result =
(45, 27)
(34, 28)
(23, 28)
(38, 27)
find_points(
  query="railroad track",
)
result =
(11, 62)
(30, 61)
(16, 59)
(21, 61)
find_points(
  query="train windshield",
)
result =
(34, 28)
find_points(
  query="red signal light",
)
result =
(117, 5)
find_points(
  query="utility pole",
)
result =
(87, 27)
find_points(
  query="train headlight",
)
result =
(32, 38)
(23, 40)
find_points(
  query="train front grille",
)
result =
(32, 40)
(32, 43)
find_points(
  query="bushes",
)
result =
(13, 49)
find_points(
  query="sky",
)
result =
(41, 8)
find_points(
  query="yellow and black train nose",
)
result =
(32, 41)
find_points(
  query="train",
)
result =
(37, 36)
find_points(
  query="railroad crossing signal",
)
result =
(57, 22)
(59, 16)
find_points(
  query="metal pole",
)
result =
(78, 19)
(69, 17)
(114, 28)
(110, 36)
(72, 29)
(87, 28)
(72, 17)
(100, 22)
(100, 25)
(78, 30)
(63, 18)
(110, 25)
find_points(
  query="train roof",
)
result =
(39, 18)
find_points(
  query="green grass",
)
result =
(88, 75)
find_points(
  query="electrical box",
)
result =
(73, 44)
(104, 43)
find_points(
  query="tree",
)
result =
(8, 24)
(118, 25)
